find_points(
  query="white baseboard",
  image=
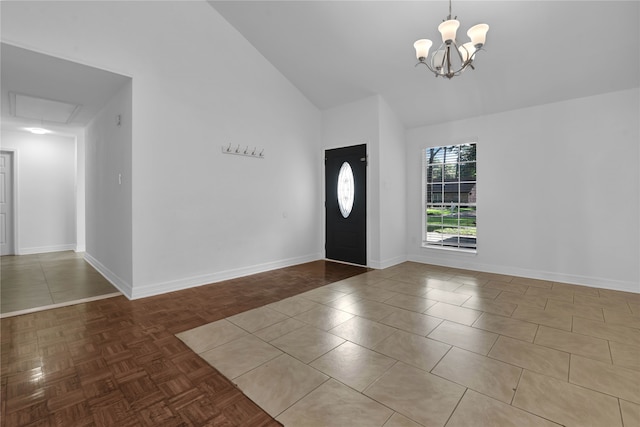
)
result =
(46, 249)
(190, 282)
(387, 262)
(113, 278)
(574, 279)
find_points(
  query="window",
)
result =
(450, 197)
(346, 189)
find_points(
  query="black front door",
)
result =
(346, 204)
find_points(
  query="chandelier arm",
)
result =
(464, 64)
(472, 57)
(448, 73)
(462, 61)
(476, 51)
(444, 57)
(426, 64)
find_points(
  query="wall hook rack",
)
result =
(247, 151)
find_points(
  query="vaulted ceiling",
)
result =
(336, 52)
(537, 52)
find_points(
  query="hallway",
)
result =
(36, 282)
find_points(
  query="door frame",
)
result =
(368, 204)
(14, 195)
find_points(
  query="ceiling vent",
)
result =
(44, 110)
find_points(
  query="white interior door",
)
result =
(7, 246)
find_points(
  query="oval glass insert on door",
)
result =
(346, 189)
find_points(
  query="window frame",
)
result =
(425, 204)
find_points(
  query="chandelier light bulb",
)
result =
(422, 47)
(448, 30)
(478, 34)
(467, 50)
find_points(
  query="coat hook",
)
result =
(229, 148)
(238, 149)
(246, 150)
(253, 153)
(261, 152)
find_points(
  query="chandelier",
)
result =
(451, 59)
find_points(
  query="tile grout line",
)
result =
(466, 388)
(46, 281)
(515, 390)
(329, 377)
(458, 404)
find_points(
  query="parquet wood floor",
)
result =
(116, 362)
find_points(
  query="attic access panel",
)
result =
(48, 110)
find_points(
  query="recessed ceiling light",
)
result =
(38, 131)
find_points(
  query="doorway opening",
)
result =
(7, 203)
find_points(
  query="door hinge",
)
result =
(365, 160)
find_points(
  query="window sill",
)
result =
(449, 249)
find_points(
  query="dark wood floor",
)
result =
(116, 362)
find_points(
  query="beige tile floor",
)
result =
(35, 281)
(423, 345)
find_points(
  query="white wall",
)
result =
(81, 231)
(393, 188)
(108, 191)
(200, 215)
(558, 191)
(371, 121)
(46, 191)
(197, 215)
(353, 124)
